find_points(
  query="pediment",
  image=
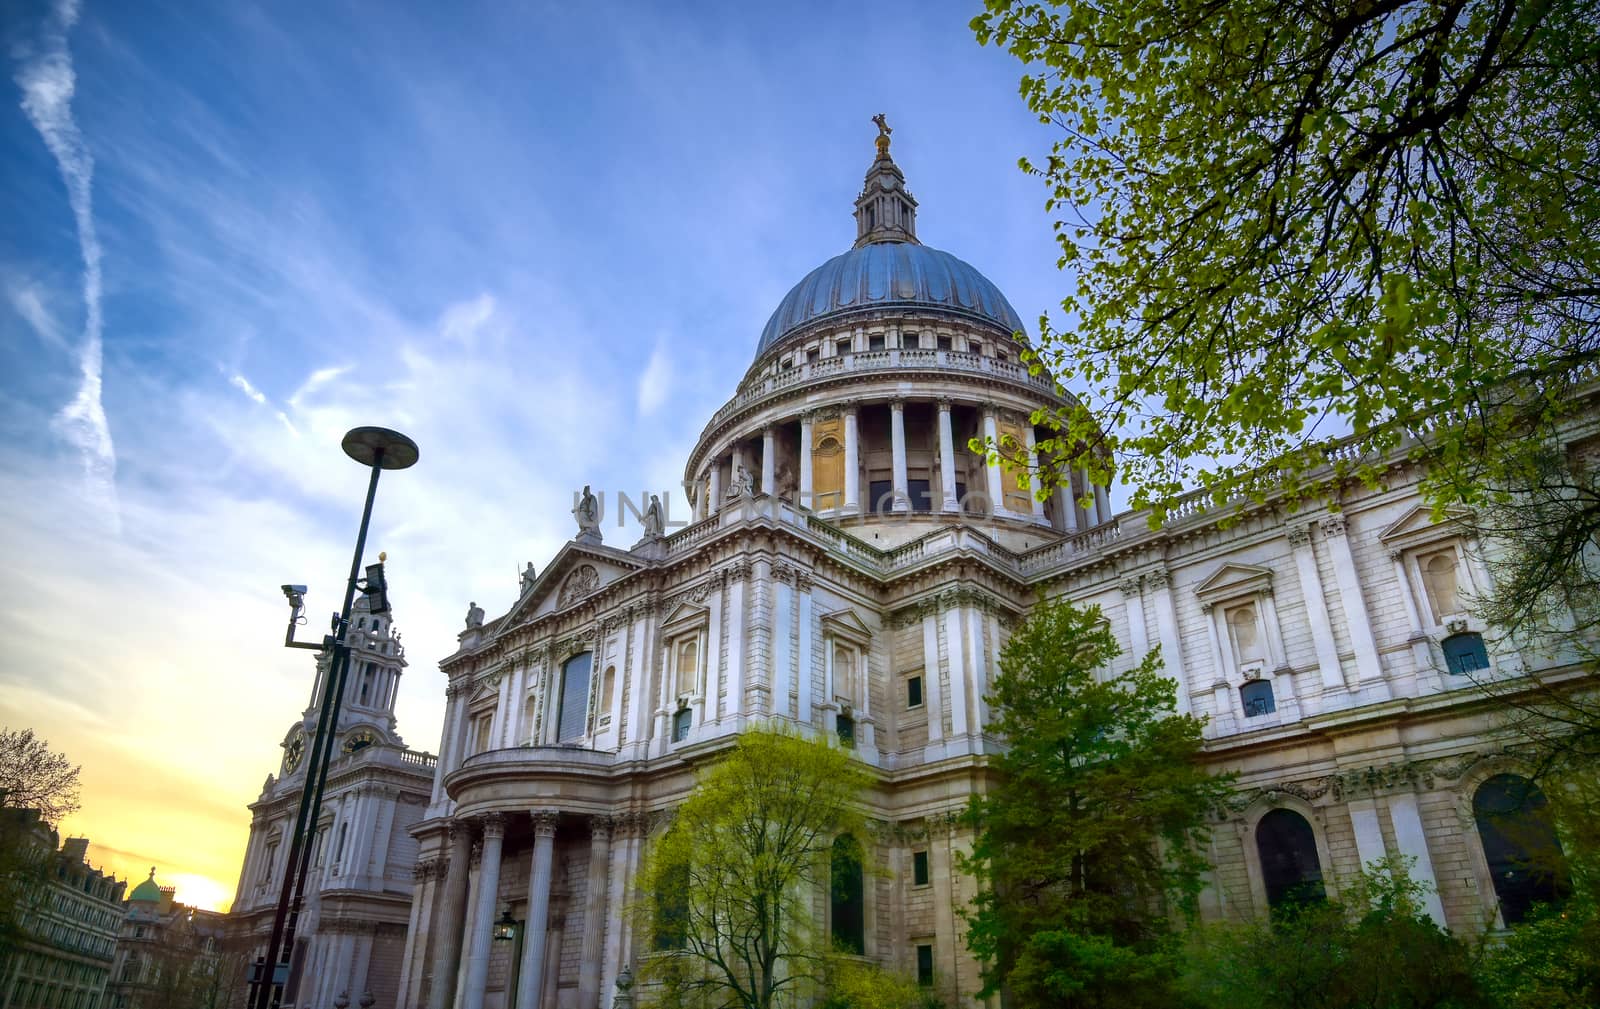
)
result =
(485, 694)
(846, 624)
(577, 572)
(685, 614)
(1232, 580)
(1417, 526)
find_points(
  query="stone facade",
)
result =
(68, 921)
(351, 933)
(852, 568)
(168, 951)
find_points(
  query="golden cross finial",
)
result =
(883, 134)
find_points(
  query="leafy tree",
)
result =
(852, 984)
(41, 787)
(731, 882)
(1550, 961)
(1376, 948)
(1087, 844)
(36, 777)
(1288, 216)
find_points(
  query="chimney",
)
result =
(76, 849)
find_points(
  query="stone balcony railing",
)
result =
(865, 363)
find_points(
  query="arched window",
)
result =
(848, 901)
(1289, 865)
(1257, 698)
(1520, 845)
(572, 721)
(672, 909)
(607, 685)
(1464, 653)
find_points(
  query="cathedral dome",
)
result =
(892, 274)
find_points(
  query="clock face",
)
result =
(294, 751)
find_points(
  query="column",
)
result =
(1412, 841)
(1068, 504)
(640, 709)
(447, 957)
(947, 460)
(531, 982)
(782, 646)
(1222, 701)
(1033, 468)
(958, 671)
(1133, 604)
(697, 497)
(483, 920)
(769, 461)
(897, 451)
(594, 912)
(453, 701)
(1421, 653)
(802, 587)
(1092, 515)
(930, 678)
(738, 576)
(1102, 502)
(1305, 562)
(1369, 835)
(852, 463)
(714, 497)
(1368, 667)
(806, 482)
(1160, 584)
(991, 434)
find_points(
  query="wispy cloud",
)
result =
(47, 79)
(655, 383)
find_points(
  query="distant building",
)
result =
(351, 935)
(169, 955)
(67, 919)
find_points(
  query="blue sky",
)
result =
(540, 238)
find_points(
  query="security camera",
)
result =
(296, 594)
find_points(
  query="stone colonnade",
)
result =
(718, 476)
(469, 904)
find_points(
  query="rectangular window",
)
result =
(842, 348)
(846, 727)
(573, 720)
(681, 723)
(921, 494)
(875, 341)
(1257, 698)
(880, 495)
(919, 868)
(944, 343)
(925, 964)
(913, 691)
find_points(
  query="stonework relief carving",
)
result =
(579, 584)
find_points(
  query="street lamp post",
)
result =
(380, 449)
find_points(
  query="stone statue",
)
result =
(654, 522)
(587, 512)
(474, 616)
(743, 485)
(883, 124)
(526, 580)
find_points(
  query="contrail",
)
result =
(47, 81)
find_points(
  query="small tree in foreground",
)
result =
(1088, 842)
(729, 887)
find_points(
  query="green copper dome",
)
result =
(148, 890)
